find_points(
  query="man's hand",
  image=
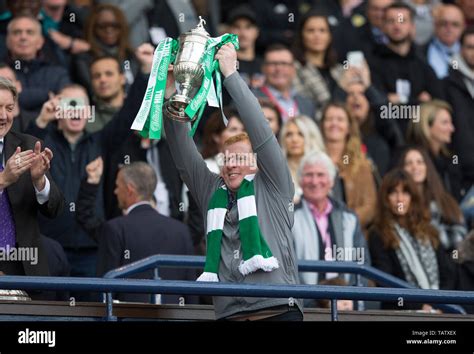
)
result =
(94, 170)
(144, 54)
(424, 97)
(349, 76)
(48, 111)
(40, 165)
(394, 98)
(227, 56)
(65, 42)
(17, 164)
(364, 72)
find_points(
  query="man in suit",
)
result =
(142, 231)
(26, 188)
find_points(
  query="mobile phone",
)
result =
(355, 58)
(72, 102)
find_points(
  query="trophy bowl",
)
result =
(188, 72)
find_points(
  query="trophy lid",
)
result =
(200, 28)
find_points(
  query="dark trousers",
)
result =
(293, 314)
(83, 263)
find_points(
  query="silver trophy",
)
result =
(188, 71)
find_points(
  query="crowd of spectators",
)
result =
(371, 101)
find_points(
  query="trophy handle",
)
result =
(201, 23)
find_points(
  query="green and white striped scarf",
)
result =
(255, 252)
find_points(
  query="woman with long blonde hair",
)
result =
(298, 137)
(355, 184)
(434, 131)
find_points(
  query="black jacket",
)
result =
(387, 261)
(387, 67)
(140, 234)
(463, 107)
(132, 150)
(69, 165)
(450, 174)
(25, 207)
(465, 281)
(38, 78)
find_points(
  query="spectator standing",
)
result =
(355, 184)
(434, 131)
(460, 94)
(360, 110)
(279, 70)
(63, 24)
(298, 137)
(26, 189)
(75, 148)
(272, 114)
(136, 13)
(141, 232)
(318, 73)
(37, 76)
(108, 90)
(396, 69)
(449, 26)
(106, 31)
(243, 22)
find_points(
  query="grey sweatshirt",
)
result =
(274, 192)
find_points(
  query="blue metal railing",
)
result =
(359, 270)
(109, 284)
(151, 286)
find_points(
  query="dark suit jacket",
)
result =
(25, 207)
(140, 234)
(131, 148)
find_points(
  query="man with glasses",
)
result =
(279, 71)
(449, 25)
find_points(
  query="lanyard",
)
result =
(290, 114)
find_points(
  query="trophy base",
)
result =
(174, 109)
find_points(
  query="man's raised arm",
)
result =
(270, 159)
(189, 162)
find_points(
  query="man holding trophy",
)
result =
(248, 207)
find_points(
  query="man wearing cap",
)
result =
(243, 23)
